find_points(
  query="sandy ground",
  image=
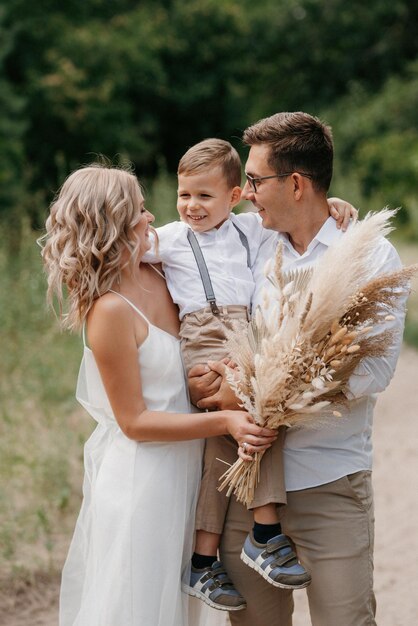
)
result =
(396, 498)
(395, 479)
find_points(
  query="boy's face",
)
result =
(204, 200)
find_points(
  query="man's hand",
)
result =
(209, 388)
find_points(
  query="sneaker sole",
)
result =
(198, 594)
(248, 561)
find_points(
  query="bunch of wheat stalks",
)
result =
(298, 352)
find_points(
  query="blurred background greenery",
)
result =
(141, 81)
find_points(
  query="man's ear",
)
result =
(235, 196)
(299, 185)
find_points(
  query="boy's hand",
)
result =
(208, 387)
(342, 212)
(203, 383)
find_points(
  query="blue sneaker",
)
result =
(215, 588)
(276, 562)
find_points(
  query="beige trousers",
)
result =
(203, 337)
(332, 527)
(212, 505)
(203, 334)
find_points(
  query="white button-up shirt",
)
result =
(315, 456)
(225, 257)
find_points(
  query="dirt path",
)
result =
(395, 479)
(31, 604)
(396, 497)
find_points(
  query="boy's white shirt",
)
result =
(225, 256)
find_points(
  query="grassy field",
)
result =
(42, 428)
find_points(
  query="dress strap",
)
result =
(155, 270)
(132, 305)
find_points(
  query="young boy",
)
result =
(207, 260)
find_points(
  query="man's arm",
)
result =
(373, 374)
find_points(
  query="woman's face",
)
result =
(141, 230)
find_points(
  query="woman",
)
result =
(142, 463)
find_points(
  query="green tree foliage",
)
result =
(206, 89)
(309, 53)
(12, 126)
(142, 81)
(377, 145)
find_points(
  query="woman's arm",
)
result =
(115, 332)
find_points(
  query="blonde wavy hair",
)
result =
(88, 232)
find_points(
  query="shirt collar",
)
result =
(327, 235)
(213, 232)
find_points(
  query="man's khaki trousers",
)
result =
(332, 527)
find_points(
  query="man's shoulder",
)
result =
(384, 258)
(387, 255)
(386, 246)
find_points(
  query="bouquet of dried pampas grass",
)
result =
(299, 350)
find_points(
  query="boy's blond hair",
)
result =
(211, 153)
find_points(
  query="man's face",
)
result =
(274, 198)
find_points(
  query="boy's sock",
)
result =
(199, 561)
(264, 532)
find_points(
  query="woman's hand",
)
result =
(342, 212)
(250, 437)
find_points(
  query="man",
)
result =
(329, 514)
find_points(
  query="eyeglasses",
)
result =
(253, 182)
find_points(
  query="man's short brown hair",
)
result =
(298, 142)
(211, 153)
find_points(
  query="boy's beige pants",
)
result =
(212, 504)
(203, 337)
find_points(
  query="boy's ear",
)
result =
(235, 196)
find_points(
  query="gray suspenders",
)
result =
(244, 242)
(203, 269)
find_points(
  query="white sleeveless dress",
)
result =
(133, 537)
